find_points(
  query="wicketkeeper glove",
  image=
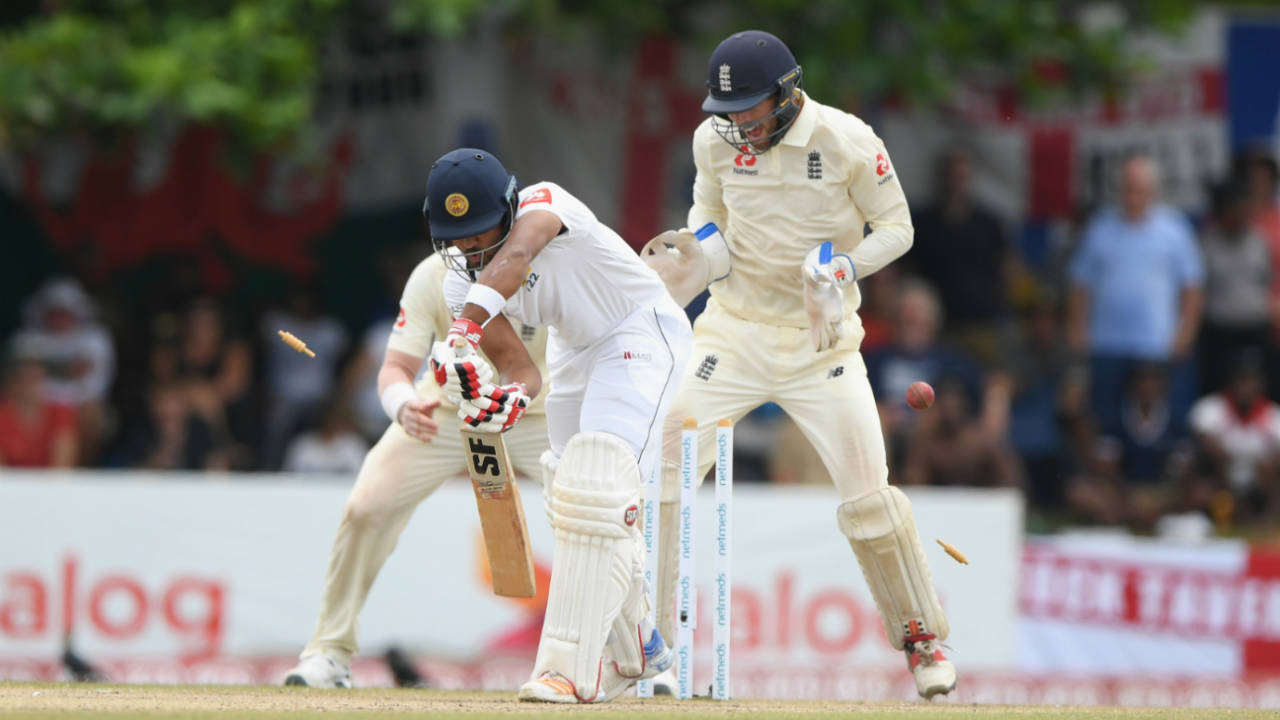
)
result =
(824, 275)
(496, 409)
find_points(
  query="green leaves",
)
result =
(117, 67)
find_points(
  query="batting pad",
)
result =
(882, 532)
(594, 510)
(626, 641)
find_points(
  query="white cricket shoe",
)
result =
(658, 658)
(319, 671)
(934, 673)
(551, 687)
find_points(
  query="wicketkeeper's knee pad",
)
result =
(594, 510)
(882, 533)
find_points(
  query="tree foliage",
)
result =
(108, 67)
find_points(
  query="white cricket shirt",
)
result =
(583, 284)
(828, 176)
(425, 318)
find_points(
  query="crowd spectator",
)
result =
(35, 432)
(1259, 171)
(334, 446)
(961, 249)
(1049, 409)
(1237, 432)
(297, 384)
(1148, 432)
(1136, 293)
(214, 370)
(60, 331)
(1237, 308)
(359, 384)
(916, 353)
(175, 434)
(947, 446)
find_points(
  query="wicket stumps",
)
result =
(686, 584)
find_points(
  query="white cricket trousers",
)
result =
(622, 384)
(398, 473)
(738, 365)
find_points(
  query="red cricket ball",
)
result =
(920, 395)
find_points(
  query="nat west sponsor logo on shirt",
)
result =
(882, 169)
(402, 319)
(744, 162)
(541, 195)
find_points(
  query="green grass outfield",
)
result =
(24, 701)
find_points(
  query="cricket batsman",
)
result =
(792, 183)
(616, 346)
(420, 450)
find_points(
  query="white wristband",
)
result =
(394, 398)
(488, 298)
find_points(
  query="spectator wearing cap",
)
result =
(1136, 294)
(34, 431)
(77, 354)
(1238, 282)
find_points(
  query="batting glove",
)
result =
(497, 409)
(456, 363)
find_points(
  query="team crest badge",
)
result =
(726, 84)
(457, 204)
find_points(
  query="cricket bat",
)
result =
(506, 536)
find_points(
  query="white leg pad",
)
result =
(627, 639)
(882, 532)
(593, 506)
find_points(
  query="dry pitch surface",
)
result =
(20, 701)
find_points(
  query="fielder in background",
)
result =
(793, 182)
(420, 450)
(616, 346)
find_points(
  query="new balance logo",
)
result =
(527, 332)
(835, 372)
(706, 367)
(815, 165)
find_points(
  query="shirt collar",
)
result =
(802, 127)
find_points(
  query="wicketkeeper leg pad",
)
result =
(594, 509)
(882, 532)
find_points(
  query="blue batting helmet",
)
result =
(468, 192)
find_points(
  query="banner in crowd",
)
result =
(165, 572)
(1120, 605)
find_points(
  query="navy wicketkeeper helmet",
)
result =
(746, 69)
(468, 193)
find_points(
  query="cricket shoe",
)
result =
(551, 687)
(658, 658)
(934, 673)
(319, 671)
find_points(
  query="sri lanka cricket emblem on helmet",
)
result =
(457, 204)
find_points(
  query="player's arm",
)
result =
(400, 401)
(510, 357)
(876, 191)
(690, 260)
(506, 272)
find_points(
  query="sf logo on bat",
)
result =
(488, 473)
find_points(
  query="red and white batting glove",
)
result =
(497, 409)
(458, 368)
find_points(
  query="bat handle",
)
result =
(461, 347)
